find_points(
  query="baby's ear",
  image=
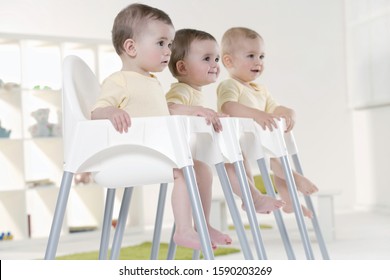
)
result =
(181, 67)
(129, 47)
(227, 60)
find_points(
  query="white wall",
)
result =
(305, 63)
(372, 138)
(368, 61)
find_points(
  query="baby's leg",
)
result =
(185, 234)
(204, 178)
(263, 203)
(281, 186)
(304, 185)
(83, 178)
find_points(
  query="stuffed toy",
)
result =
(43, 128)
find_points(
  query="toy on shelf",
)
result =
(9, 86)
(4, 133)
(40, 183)
(38, 87)
(6, 236)
(43, 128)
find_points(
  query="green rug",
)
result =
(248, 227)
(142, 252)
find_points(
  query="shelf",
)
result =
(41, 203)
(43, 159)
(86, 207)
(10, 66)
(11, 112)
(31, 158)
(13, 214)
(11, 162)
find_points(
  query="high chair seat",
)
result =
(145, 155)
(149, 141)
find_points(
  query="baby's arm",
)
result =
(210, 115)
(235, 109)
(118, 117)
(288, 114)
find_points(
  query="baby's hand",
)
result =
(288, 114)
(290, 122)
(120, 119)
(266, 120)
(211, 117)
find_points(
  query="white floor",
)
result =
(358, 236)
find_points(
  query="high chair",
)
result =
(293, 152)
(220, 148)
(145, 155)
(256, 142)
(217, 149)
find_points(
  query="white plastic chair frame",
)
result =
(148, 153)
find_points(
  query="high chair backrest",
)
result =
(80, 91)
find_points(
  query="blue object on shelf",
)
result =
(4, 133)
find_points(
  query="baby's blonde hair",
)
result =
(233, 35)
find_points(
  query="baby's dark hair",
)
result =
(130, 21)
(181, 45)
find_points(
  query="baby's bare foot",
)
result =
(288, 208)
(304, 185)
(219, 237)
(189, 239)
(265, 204)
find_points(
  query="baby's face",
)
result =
(247, 59)
(154, 46)
(202, 63)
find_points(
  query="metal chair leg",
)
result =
(309, 203)
(227, 190)
(120, 227)
(250, 210)
(107, 223)
(197, 211)
(277, 213)
(297, 207)
(172, 245)
(59, 214)
(158, 222)
(195, 254)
